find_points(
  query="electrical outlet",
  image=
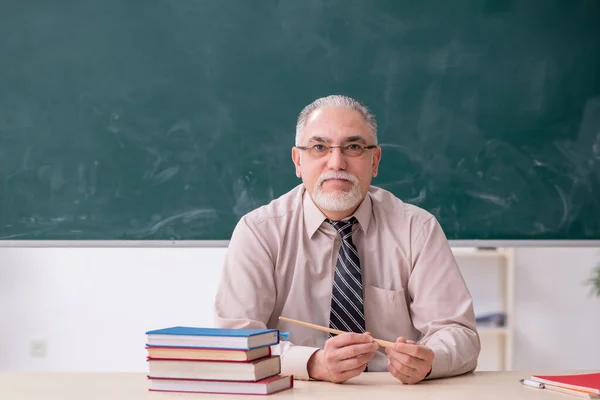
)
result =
(38, 348)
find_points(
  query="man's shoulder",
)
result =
(278, 208)
(388, 203)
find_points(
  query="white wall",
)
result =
(90, 308)
(557, 321)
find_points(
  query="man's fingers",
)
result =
(339, 377)
(350, 352)
(406, 359)
(351, 364)
(404, 340)
(406, 364)
(416, 368)
(348, 338)
(347, 354)
(414, 350)
(397, 374)
(355, 350)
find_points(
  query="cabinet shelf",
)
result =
(497, 341)
(475, 253)
(488, 330)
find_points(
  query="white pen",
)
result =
(529, 382)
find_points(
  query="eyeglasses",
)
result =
(350, 150)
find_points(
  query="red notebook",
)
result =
(589, 383)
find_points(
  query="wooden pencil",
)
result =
(382, 343)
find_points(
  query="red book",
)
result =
(589, 383)
(265, 386)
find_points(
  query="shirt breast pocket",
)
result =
(387, 315)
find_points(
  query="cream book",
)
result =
(208, 354)
(215, 370)
(273, 384)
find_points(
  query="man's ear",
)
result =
(376, 160)
(296, 159)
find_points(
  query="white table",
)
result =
(368, 386)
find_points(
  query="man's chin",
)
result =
(335, 200)
(335, 193)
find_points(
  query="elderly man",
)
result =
(338, 252)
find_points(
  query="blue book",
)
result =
(213, 338)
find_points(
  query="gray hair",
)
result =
(337, 101)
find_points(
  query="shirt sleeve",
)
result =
(442, 306)
(246, 295)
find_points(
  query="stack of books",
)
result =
(210, 360)
(582, 385)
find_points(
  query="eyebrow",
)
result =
(355, 138)
(319, 139)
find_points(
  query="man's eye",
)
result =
(354, 147)
(319, 147)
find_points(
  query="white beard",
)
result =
(338, 201)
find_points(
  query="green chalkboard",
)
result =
(168, 120)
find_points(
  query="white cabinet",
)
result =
(489, 274)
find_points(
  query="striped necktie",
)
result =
(346, 312)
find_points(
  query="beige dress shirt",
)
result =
(281, 261)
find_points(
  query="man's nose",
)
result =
(336, 161)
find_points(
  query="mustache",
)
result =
(337, 175)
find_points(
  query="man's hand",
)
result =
(344, 356)
(408, 361)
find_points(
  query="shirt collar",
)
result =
(314, 218)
